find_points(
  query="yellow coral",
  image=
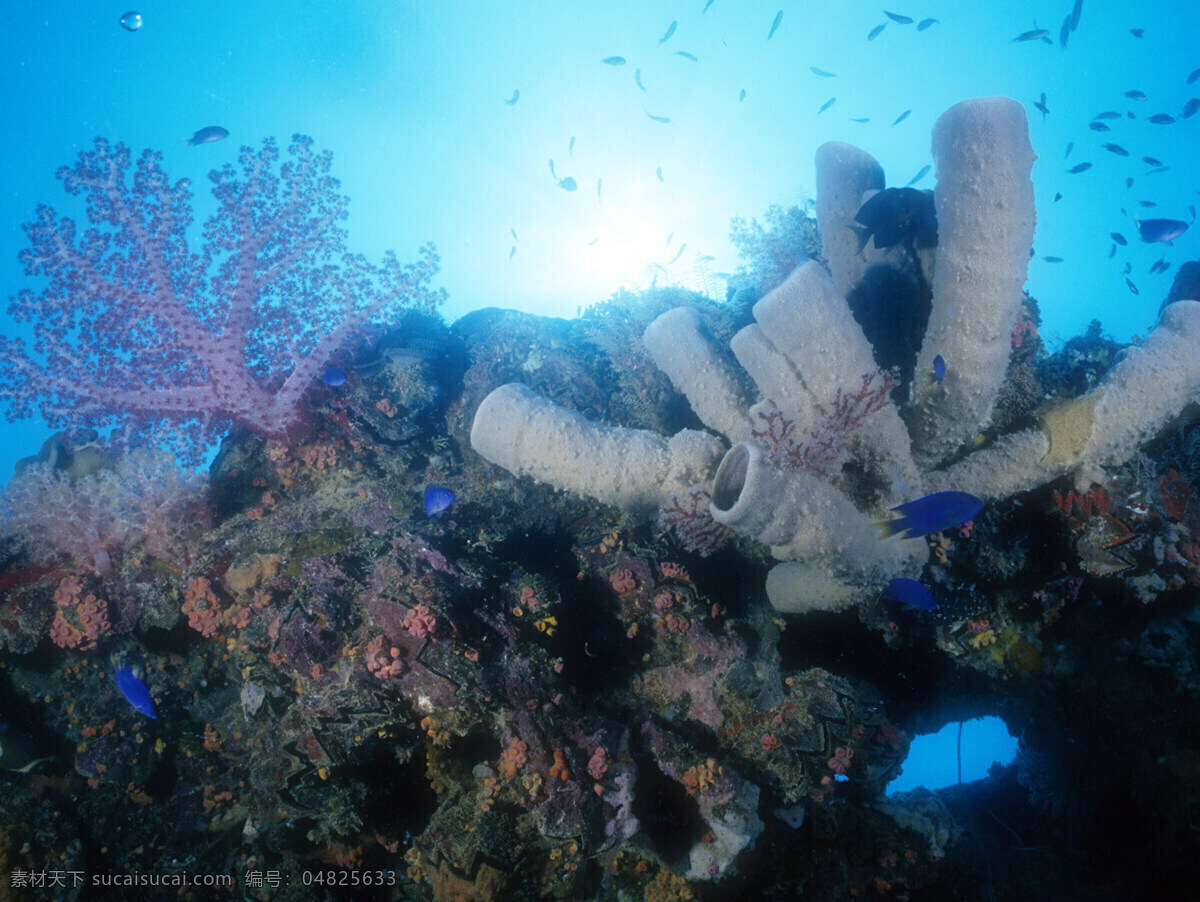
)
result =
(987, 637)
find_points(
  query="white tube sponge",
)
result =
(843, 173)
(1138, 398)
(800, 516)
(804, 348)
(684, 349)
(634, 469)
(985, 211)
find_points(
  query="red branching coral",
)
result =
(137, 326)
(821, 450)
(689, 518)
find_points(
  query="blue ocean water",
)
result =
(412, 99)
(934, 760)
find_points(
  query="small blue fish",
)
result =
(876, 31)
(133, 689)
(690, 57)
(924, 171)
(821, 72)
(637, 79)
(902, 117)
(437, 499)
(516, 96)
(939, 369)
(567, 184)
(131, 21)
(658, 172)
(663, 119)
(926, 23)
(910, 593)
(826, 105)
(207, 135)
(933, 513)
(670, 31)
(897, 17)
(775, 24)
(742, 95)
(333, 377)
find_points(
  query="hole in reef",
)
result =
(934, 758)
(668, 816)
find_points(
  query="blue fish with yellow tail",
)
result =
(909, 593)
(133, 689)
(933, 513)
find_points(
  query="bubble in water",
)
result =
(131, 21)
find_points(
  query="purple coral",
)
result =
(135, 327)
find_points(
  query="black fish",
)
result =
(1119, 238)
(1132, 287)
(1161, 119)
(1159, 265)
(1150, 161)
(1190, 108)
(926, 23)
(1164, 230)
(1107, 114)
(1128, 184)
(1079, 167)
(1053, 259)
(876, 31)
(1138, 32)
(1041, 105)
(1098, 127)
(1057, 197)
(1070, 147)
(898, 216)
(1038, 34)
(1134, 94)
(1191, 79)
(1064, 32)
(1147, 203)
(1076, 11)
(902, 117)
(1117, 149)
(896, 17)
(1112, 252)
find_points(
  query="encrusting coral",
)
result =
(818, 382)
